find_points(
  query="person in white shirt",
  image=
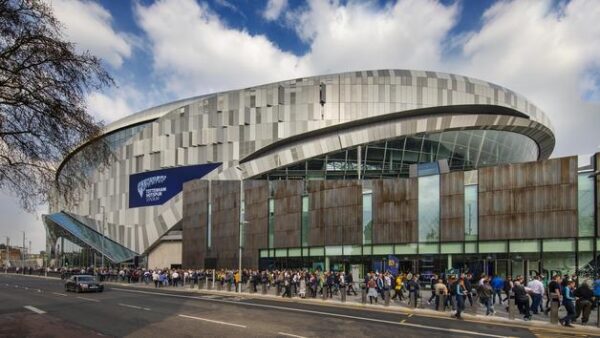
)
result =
(537, 294)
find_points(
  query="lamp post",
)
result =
(23, 253)
(7, 254)
(103, 220)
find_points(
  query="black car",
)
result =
(83, 283)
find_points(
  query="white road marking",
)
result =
(134, 307)
(212, 321)
(431, 328)
(59, 294)
(90, 299)
(26, 288)
(290, 335)
(34, 309)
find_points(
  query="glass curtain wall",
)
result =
(429, 208)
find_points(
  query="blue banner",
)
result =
(157, 187)
(392, 264)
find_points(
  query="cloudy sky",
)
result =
(159, 51)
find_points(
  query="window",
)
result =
(367, 218)
(471, 217)
(429, 208)
(585, 206)
(271, 222)
(209, 227)
(305, 222)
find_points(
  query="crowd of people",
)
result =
(450, 292)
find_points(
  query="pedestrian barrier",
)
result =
(386, 295)
(511, 305)
(554, 305)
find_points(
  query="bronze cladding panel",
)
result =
(335, 212)
(288, 213)
(225, 201)
(452, 200)
(256, 195)
(194, 223)
(529, 200)
(395, 210)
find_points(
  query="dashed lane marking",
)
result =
(212, 321)
(59, 294)
(90, 299)
(289, 335)
(134, 307)
(34, 309)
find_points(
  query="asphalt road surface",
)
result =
(37, 307)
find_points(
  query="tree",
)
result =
(43, 116)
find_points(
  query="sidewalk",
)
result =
(475, 313)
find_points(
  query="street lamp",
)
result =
(103, 220)
(240, 254)
(7, 254)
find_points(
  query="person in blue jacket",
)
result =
(497, 285)
(568, 299)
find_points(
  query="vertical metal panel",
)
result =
(529, 200)
(452, 200)
(256, 195)
(395, 211)
(225, 203)
(288, 212)
(335, 212)
(194, 223)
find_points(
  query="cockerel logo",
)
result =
(148, 182)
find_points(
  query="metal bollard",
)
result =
(264, 288)
(324, 293)
(442, 303)
(386, 295)
(228, 286)
(554, 305)
(278, 290)
(363, 295)
(219, 286)
(343, 293)
(413, 299)
(206, 284)
(511, 306)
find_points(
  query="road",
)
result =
(38, 307)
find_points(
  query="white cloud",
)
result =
(197, 53)
(108, 107)
(362, 35)
(273, 9)
(547, 54)
(89, 25)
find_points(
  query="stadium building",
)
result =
(385, 169)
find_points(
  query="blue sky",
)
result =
(159, 51)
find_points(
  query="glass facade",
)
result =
(471, 214)
(585, 206)
(429, 208)
(464, 150)
(271, 230)
(305, 221)
(367, 228)
(209, 227)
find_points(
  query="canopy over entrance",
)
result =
(61, 224)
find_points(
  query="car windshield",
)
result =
(86, 279)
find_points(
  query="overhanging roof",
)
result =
(61, 224)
